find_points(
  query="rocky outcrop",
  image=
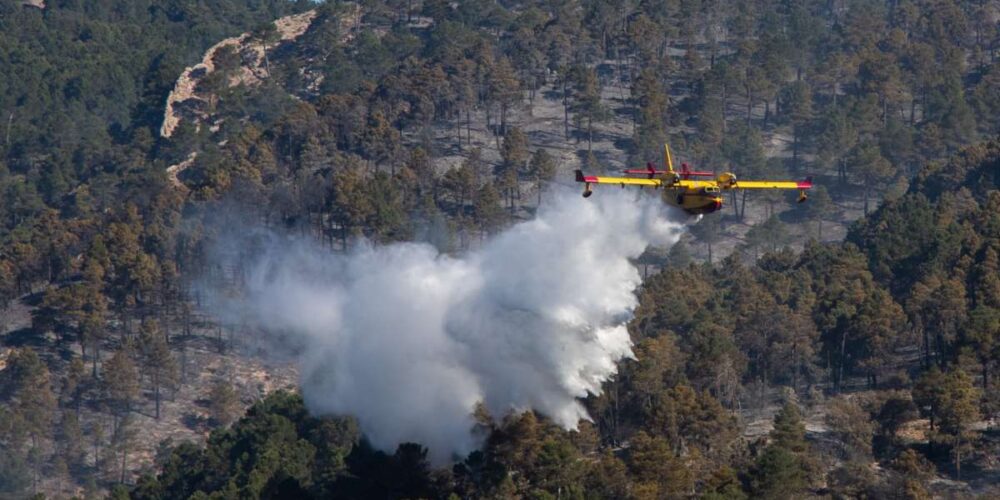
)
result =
(184, 101)
(174, 171)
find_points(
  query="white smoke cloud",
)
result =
(408, 340)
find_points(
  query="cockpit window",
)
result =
(712, 189)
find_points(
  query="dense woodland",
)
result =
(896, 328)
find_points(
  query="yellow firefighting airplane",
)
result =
(680, 190)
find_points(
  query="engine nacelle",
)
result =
(726, 180)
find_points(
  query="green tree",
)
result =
(27, 382)
(503, 89)
(657, 471)
(872, 169)
(652, 102)
(121, 381)
(778, 474)
(73, 384)
(543, 170)
(266, 34)
(158, 361)
(122, 442)
(853, 428)
(70, 444)
(959, 409)
(928, 394)
(459, 185)
(797, 102)
(588, 106)
(515, 155)
(487, 209)
(225, 403)
(820, 207)
(784, 469)
(706, 231)
(350, 206)
(836, 139)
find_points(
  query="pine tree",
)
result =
(853, 428)
(71, 445)
(588, 106)
(543, 170)
(27, 381)
(784, 469)
(121, 381)
(159, 361)
(778, 474)
(487, 209)
(122, 442)
(225, 403)
(789, 429)
(515, 155)
(928, 394)
(959, 409)
(820, 207)
(72, 388)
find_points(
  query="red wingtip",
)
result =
(584, 178)
(806, 184)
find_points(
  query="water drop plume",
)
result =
(409, 341)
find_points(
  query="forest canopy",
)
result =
(399, 121)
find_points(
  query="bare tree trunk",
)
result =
(10, 121)
(124, 460)
(795, 148)
(590, 134)
(958, 457)
(840, 370)
(565, 109)
(927, 349)
(267, 62)
(749, 106)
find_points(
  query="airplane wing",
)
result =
(806, 184)
(635, 181)
(631, 181)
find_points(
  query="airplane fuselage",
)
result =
(694, 200)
